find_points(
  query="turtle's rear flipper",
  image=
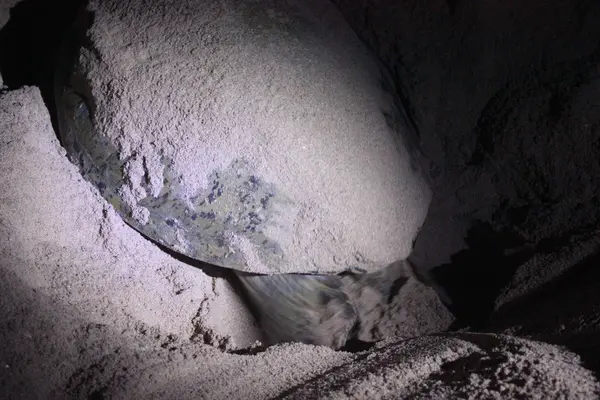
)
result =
(310, 309)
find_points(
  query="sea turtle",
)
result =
(259, 136)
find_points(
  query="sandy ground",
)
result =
(91, 310)
(83, 290)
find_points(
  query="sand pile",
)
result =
(86, 294)
(90, 309)
(463, 365)
(506, 113)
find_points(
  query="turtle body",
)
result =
(260, 136)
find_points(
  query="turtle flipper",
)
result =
(311, 309)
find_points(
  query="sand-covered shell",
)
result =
(260, 136)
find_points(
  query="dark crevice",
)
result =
(395, 288)
(30, 43)
(475, 277)
(252, 351)
(211, 270)
(354, 345)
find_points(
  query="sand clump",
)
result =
(462, 365)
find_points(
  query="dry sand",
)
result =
(89, 309)
(463, 365)
(82, 289)
(90, 305)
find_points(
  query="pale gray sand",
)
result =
(92, 309)
(117, 342)
(93, 306)
(282, 91)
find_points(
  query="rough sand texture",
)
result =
(565, 311)
(84, 293)
(547, 266)
(286, 90)
(457, 366)
(52, 350)
(91, 307)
